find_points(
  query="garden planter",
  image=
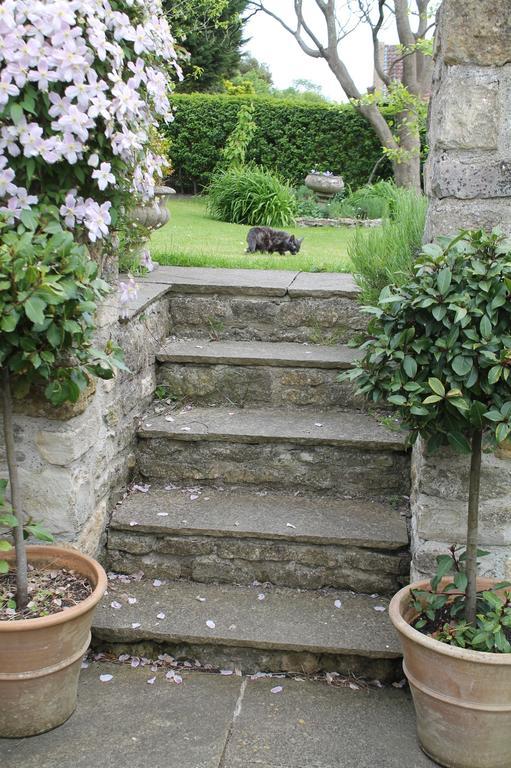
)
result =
(462, 697)
(154, 214)
(40, 659)
(325, 187)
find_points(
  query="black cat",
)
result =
(270, 240)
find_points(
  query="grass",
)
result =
(193, 239)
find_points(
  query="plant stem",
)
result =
(21, 552)
(472, 526)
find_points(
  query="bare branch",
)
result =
(316, 54)
(406, 38)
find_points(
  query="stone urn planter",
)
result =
(324, 185)
(462, 697)
(153, 214)
(40, 659)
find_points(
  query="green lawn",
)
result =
(192, 239)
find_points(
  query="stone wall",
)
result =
(75, 461)
(468, 181)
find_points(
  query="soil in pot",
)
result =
(40, 658)
(50, 591)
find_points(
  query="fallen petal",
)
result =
(105, 678)
(338, 604)
(277, 689)
(210, 624)
(160, 615)
(151, 680)
(135, 625)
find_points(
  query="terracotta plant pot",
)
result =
(462, 698)
(40, 659)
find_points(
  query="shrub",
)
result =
(372, 201)
(292, 137)
(385, 254)
(440, 352)
(251, 195)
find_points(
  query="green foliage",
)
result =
(292, 137)
(8, 522)
(372, 201)
(235, 151)
(386, 254)
(212, 34)
(251, 195)
(439, 610)
(49, 287)
(441, 343)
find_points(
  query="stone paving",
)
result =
(215, 721)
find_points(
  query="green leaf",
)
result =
(410, 366)
(461, 365)
(443, 280)
(502, 432)
(493, 416)
(4, 566)
(437, 386)
(485, 327)
(8, 521)
(16, 113)
(494, 374)
(5, 546)
(34, 309)
(444, 565)
(432, 399)
(461, 581)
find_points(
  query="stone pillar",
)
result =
(468, 181)
(468, 173)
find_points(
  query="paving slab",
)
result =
(311, 725)
(273, 516)
(212, 721)
(286, 620)
(279, 354)
(324, 285)
(126, 722)
(251, 282)
(269, 425)
(147, 294)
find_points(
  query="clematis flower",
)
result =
(103, 176)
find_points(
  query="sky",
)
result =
(271, 44)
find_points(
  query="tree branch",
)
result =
(316, 54)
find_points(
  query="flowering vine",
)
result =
(82, 83)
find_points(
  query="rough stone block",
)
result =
(467, 177)
(448, 216)
(71, 442)
(476, 32)
(465, 111)
(496, 565)
(335, 470)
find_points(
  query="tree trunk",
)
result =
(472, 526)
(408, 172)
(21, 553)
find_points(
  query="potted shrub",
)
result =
(440, 352)
(48, 293)
(75, 124)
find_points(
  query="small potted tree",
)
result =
(48, 292)
(75, 152)
(440, 352)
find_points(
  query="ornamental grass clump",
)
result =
(440, 352)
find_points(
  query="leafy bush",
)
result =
(385, 254)
(372, 201)
(251, 195)
(292, 137)
(440, 352)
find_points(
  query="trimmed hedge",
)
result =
(292, 137)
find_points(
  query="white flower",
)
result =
(104, 176)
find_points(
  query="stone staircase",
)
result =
(273, 528)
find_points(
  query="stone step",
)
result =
(248, 304)
(288, 630)
(344, 453)
(231, 537)
(257, 373)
